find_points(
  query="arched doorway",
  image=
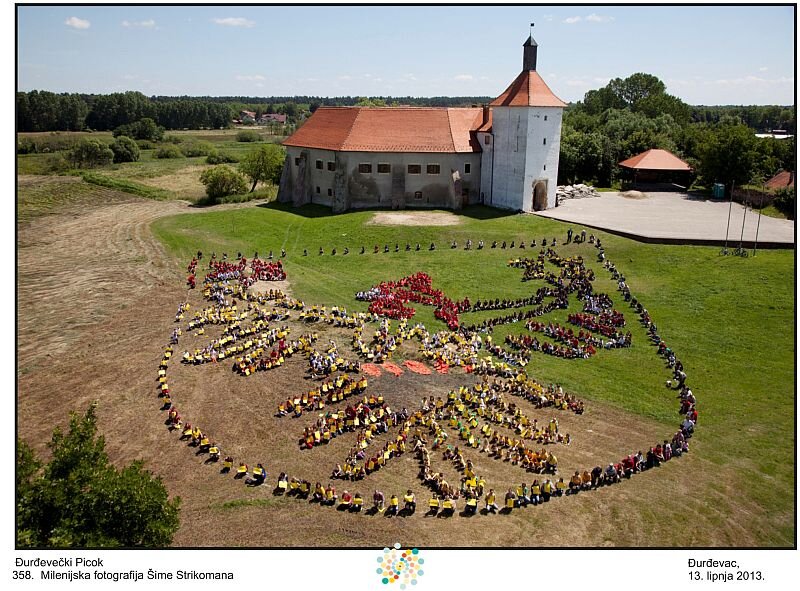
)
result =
(540, 196)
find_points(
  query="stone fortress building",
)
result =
(504, 154)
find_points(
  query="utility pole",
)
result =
(730, 206)
(758, 224)
(744, 217)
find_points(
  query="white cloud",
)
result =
(345, 77)
(592, 18)
(249, 77)
(548, 17)
(77, 23)
(148, 24)
(752, 81)
(463, 77)
(234, 21)
(597, 18)
(763, 69)
(579, 83)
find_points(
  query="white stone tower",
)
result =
(521, 141)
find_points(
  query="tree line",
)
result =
(40, 110)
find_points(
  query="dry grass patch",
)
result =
(415, 218)
(184, 183)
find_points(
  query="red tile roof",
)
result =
(656, 160)
(783, 179)
(528, 90)
(389, 129)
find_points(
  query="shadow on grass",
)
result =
(307, 211)
(484, 212)
(312, 210)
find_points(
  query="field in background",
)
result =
(172, 178)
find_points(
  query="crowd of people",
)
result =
(389, 299)
(483, 418)
(333, 390)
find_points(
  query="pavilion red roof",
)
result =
(783, 179)
(656, 160)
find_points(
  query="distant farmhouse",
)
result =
(504, 154)
(249, 118)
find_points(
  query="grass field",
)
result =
(729, 320)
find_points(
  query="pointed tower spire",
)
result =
(529, 49)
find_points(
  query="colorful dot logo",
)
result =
(399, 566)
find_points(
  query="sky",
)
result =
(705, 54)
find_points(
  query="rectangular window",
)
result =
(415, 169)
(467, 168)
(317, 190)
(487, 139)
(433, 169)
(545, 167)
(545, 117)
(319, 164)
(384, 168)
(297, 161)
(331, 166)
(365, 168)
(330, 192)
(418, 195)
(544, 140)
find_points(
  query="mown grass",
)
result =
(730, 320)
(48, 195)
(124, 185)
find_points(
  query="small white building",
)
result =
(504, 154)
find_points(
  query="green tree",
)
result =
(728, 155)
(143, 129)
(221, 181)
(195, 148)
(290, 108)
(217, 157)
(125, 149)
(264, 164)
(79, 499)
(785, 201)
(636, 87)
(248, 135)
(370, 102)
(168, 151)
(89, 153)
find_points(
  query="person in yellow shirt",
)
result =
(561, 487)
(547, 489)
(410, 502)
(394, 503)
(358, 502)
(491, 502)
(575, 483)
(536, 492)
